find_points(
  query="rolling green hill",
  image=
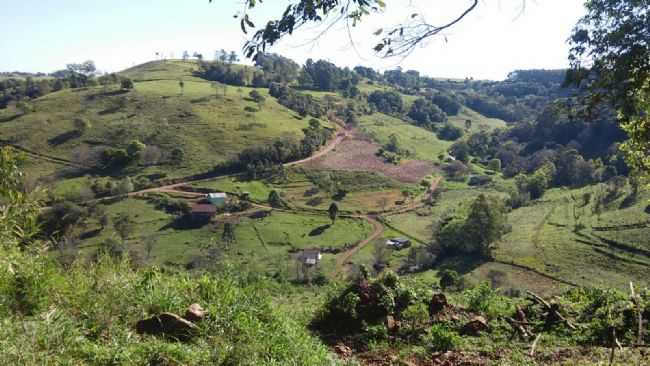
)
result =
(210, 125)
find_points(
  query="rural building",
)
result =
(203, 211)
(398, 243)
(310, 257)
(218, 199)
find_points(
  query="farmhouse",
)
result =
(398, 243)
(203, 211)
(310, 257)
(218, 199)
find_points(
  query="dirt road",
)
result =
(343, 258)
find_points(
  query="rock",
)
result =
(438, 303)
(392, 325)
(195, 313)
(343, 351)
(167, 325)
(475, 326)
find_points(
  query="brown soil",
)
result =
(357, 152)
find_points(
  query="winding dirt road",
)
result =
(343, 258)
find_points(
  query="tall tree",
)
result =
(232, 57)
(333, 211)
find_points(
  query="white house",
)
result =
(398, 243)
(218, 199)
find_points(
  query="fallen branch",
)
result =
(552, 311)
(532, 348)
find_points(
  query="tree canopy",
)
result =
(610, 57)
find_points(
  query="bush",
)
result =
(495, 164)
(450, 132)
(113, 158)
(485, 300)
(441, 339)
(126, 84)
(449, 279)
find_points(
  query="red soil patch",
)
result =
(357, 152)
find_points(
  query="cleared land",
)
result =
(359, 153)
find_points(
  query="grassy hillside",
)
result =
(210, 125)
(425, 144)
(547, 241)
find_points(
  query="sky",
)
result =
(497, 37)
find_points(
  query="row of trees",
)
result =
(268, 159)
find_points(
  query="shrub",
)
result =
(485, 300)
(441, 339)
(450, 132)
(177, 155)
(113, 158)
(126, 84)
(449, 279)
(495, 164)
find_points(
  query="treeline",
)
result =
(18, 90)
(429, 111)
(259, 161)
(304, 104)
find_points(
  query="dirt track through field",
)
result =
(343, 258)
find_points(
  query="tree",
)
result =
(485, 223)
(447, 103)
(186, 55)
(223, 55)
(450, 132)
(495, 165)
(126, 84)
(468, 124)
(449, 279)
(333, 211)
(181, 84)
(275, 200)
(177, 155)
(610, 57)
(134, 149)
(86, 68)
(123, 225)
(424, 112)
(460, 150)
(124, 186)
(81, 125)
(474, 234)
(232, 57)
(388, 102)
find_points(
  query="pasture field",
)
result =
(308, 189)
(264, 243)
(562, 236)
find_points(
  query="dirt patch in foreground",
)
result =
(357, 152)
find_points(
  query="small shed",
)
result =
(203, 211)
(310, 257)
(398, 243)
(218, 198)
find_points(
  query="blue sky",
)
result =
(496, 38)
